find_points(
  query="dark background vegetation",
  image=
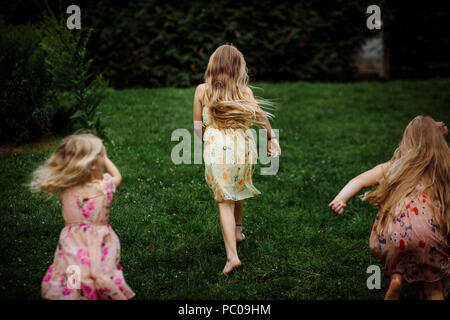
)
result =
(168, 43)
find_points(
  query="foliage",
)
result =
(73, 88)
(157, 43)
(46, 82)
(24, 83)
(168, 43)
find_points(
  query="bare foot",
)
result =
(231, 265)
(239, 235)
(395, 288)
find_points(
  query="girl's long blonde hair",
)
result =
(423, 151)
(69, 165)
(226, 94)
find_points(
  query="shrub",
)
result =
(24, 83)
(157, 43)
(76, 92)
(168, 43)
(46, 84)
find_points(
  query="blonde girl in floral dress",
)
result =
(224, 110)
(411, 231)
(86, 262)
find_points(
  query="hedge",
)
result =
(158, 43)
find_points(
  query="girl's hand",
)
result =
(337, 205)
(274, 148)
(443, 127)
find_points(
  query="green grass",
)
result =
(168, 222)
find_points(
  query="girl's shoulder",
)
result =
(201, 88)
(199, 92)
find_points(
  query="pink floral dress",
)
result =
(86, 262)
(414, 247)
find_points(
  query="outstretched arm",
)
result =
(367, 179)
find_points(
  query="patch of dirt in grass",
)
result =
(40, 145)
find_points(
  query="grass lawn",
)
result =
(168, 222)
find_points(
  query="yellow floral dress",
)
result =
(230, 157)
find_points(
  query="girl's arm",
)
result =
(367, 179)
(113, 171)
(197, 112)
(274, 147)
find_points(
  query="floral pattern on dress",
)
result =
(230, 157)
(414, 246)
(90, 244)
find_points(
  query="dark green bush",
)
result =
(156, 43)
(45, 82)
(168, 43)
(24, 83)
(74, 91)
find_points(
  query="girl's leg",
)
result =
(228, 224)
(433, 290)
(395, 287)
(238, 209)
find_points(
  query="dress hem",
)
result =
(239, 198)
(53, 299)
